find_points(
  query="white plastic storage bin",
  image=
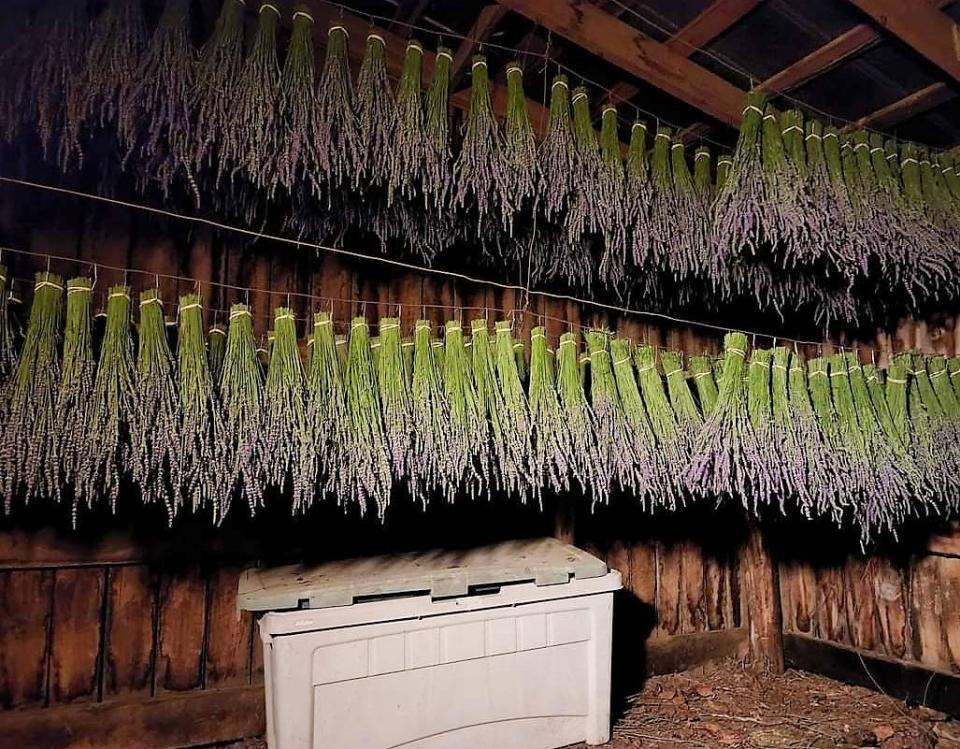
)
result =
(503, 647)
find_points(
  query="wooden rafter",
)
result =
(850, 43)
(408, 13)
(326, 15)
(486, 23)
(909, 106)
(624, 46)
(710, 23)
(922, 26)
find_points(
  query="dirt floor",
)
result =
(728, 707)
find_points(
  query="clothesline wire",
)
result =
(259, 235)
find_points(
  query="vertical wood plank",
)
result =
(950, 588)
(130, 646)
(861, 604)
(891, 594)
(78, 598)
(798, 592)
(228, 633)
(693, 614)
(25, 600)
(181, 632)
(926, 602)
(643, 572)
(669, 593)
(716, 592)
(832, 609)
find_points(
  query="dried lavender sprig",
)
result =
(217, 79)
(8, 342)
(298, 110)
(515, 412)
(284, 425)
(760, 412)
(29, 440)
(481, 176)
(216, 352)
(376, 115)
(639, 199)
(393, 383)
(203, 459)
(727, 463)
(369, 466)
(409, 143)
(433, 468)
(241, 392)
(552, 444)
(113, 409)
(155, 431)
(702, 372)
(339, 147)
(159, 127)
(438, 169)
(673, 448)
(663, 488)
(519, 146)
(616, 219)
(469, 446)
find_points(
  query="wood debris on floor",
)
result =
(730, 707)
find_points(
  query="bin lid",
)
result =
(441, 573)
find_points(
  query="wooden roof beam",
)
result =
(909, 106)
(923, 26)
(486, 23)
(407, 15)
(710, 23)
(624, 46)
(850, 43)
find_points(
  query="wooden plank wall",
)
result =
(122, 621)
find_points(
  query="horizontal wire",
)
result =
(367, 258)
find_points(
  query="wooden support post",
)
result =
(761, 595)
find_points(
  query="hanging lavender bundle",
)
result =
(328, 434)
(155, 431)
(369, 465)
(502, 471)
(409, 140)
(297, 160)
(552, 444)
(482, 181)
(586, 463)
(557, 160)
(216, 351)
(430, 417)
(76, 382)
(639, 201)
(664, 228)
(94, 96)
(241, 392)
(251, 144)
(515, 411)
(584, 215)
(941, 435)
(107, 455)
(159, 127)
(612, 183)
(613, 430)
(673, 450)
(437, 168)
(830, 213)
(216, 90)
(728, 462)
(760, 413)
(376, 114)
(825, 471)
(691, 223)
(395, 398)
(203, 461)
(663, 488)
(742, 210)
(785, 432)
(787, 203)
(284, 424)
(469, 445)
(519, 147)
(687, 416)
(30, 434)
(53, 65)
